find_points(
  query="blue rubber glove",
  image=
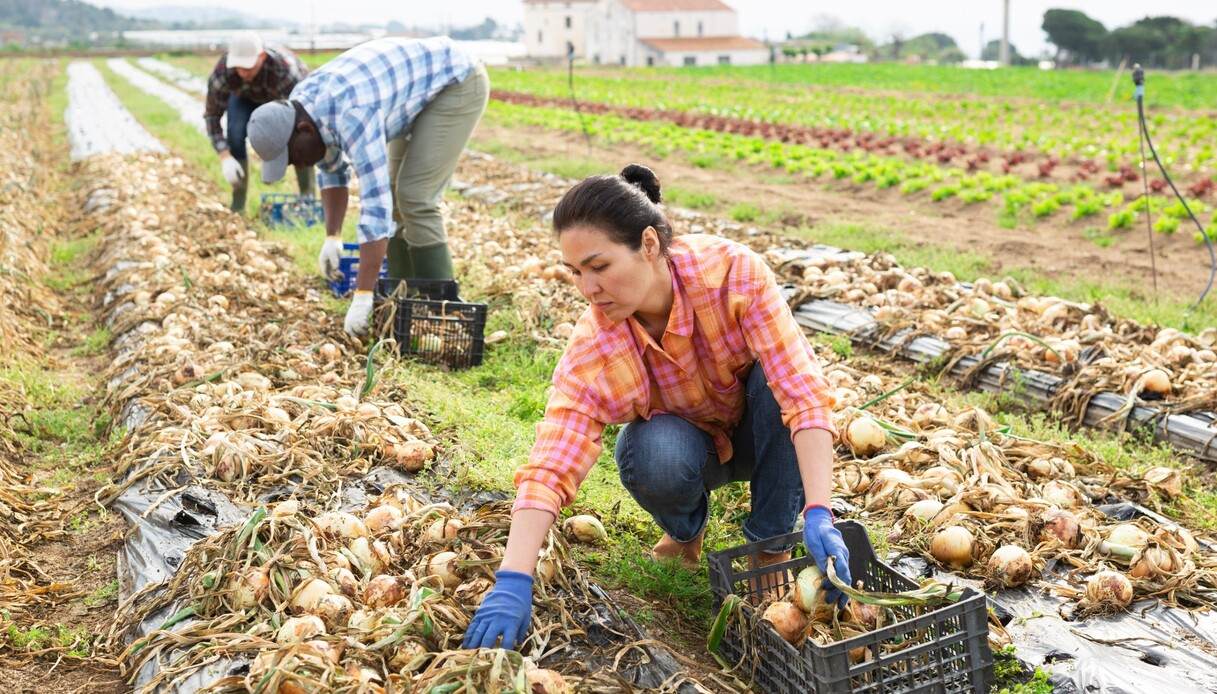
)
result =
(506, 611)
(824, 541)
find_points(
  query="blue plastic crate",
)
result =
(348, 264)
(290, 210)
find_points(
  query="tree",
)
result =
(1079, 37)
(992, 51)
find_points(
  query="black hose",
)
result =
(1203, 234)
(570, 83)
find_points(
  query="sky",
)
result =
(961, 19)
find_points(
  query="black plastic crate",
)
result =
(440, 331)
(945, 650)
(438, 290)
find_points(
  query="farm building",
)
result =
(641, 32)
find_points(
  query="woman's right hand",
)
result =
(506, 611)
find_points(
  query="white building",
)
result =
(550, 24)
(641, 32)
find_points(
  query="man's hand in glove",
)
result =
(327, 262)
(359, 314)
(505, 612)
(824, 541)
(234, 173)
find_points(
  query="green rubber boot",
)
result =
(401, 265)
(432, 262)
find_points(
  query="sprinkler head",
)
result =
(1138, 74)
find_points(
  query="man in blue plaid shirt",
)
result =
(399, 112)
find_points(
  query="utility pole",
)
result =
(981, 54)
(1004, 56)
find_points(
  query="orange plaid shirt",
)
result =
(727, 313)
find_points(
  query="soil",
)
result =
(1055, 248)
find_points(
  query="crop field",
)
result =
(208, 486)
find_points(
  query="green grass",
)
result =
(683, 197)
(102, 595)
(76, 642)
(95, 343)
(744, 212)
(1011, 677)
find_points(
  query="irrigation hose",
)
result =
(1208, 242)
(570, 83)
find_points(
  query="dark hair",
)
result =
(622, 206)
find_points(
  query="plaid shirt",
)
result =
(727, 313)
(278, 76)
(367, 96)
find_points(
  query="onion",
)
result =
(250, 588)
(384, 519)
(277, 416)
(363, 620)
(1109, 590)
(346, 403)
(585, 528)
(1010, 566)
(1061, 494)
(931, 414)
(1167, 480)
(1061, 526)
(955, 333)
(542, 681)
(852, 479)
(864, 436)
(924, 510)
(442, 529)
(950, 513)
(1128, 535)
(443, 565)
(864, 614)
(309, 593)
(372, 556)
(383, 591)
(1156, 382)
(297, 629)
(340, 524)
(411, 456)
(285, 509)
(940, 479)
(787, 620)
(329, 352)
(345, 580)
(547, 569)
(953, 546)
(1178, 538)
(1153, 562)
(334, 609)
(319, 652)
(408, 655)
(367, 410)
(809, 589)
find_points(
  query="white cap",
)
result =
(244, 49)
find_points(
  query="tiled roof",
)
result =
(705, 43)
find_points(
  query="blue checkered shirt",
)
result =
(367, 96)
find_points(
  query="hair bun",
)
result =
(644, 178)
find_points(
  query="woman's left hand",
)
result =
(824, 541)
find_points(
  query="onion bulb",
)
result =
(547, 569)
(1156, 382)
(809, 589)
(250, 588)
(585, 528)
(285, 509)
(297, 629)
(383, 591)
(411, 456)
(931, 414)
(1128, 535)
(1061, 526)
(1109, 590)
(384, 519)
(1061, 494)
(340, 524)
(924, 510)
(864, 614)
(334, 609)
(309, 593)
(1010, 566)
(443, 565)
(864, 436)
(542, 681)
(442, 529)
(1167, 480)
(372, 556)
(787, 620)
(1153, 562)
(953, 546)
(363, 619)
(345, 580)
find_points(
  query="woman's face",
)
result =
(608, 274)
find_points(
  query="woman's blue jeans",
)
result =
(669, 466)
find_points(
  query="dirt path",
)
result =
(1056, 248)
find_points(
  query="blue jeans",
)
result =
(669, 466)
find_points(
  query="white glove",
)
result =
(359, 314)
(232, 169)
(327, 262)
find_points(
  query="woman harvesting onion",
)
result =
(689, 343)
